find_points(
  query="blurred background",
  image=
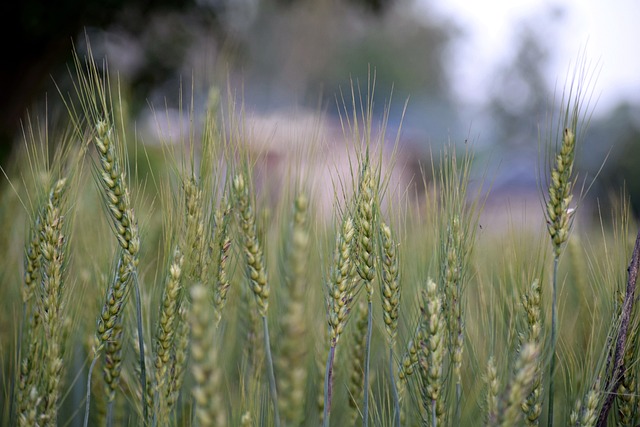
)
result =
(481, 72)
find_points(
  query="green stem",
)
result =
(434, 416)
(156, 409)
(143, 370)
(554, 328)
(110, 404)
(328, 380)
(367, 354)
(458, 406)
(394, 390)
(88, 403)
(272, 376)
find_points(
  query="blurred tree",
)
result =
(159, 32)
(38, 37)
(616, 135)
(312, 48)
(521, 93)
(375, 6)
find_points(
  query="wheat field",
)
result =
(182, 283)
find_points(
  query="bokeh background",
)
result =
(483, 72)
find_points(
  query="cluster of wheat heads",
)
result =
(169, 285)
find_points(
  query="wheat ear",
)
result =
(44, 260)
(179, 358)
(365, 237)
(592, 404)
(112, 181)
(26, 395)
(221, 249)
(166, 331)
(559, 221)
(431, 356)
(390, 294)
(340, 289)
(291, 363)
(532, 303)
(109, 335)
(27, 392)
(204, 356)
(194, 245)
(52, 245)
(256, 272)
(520, 385)
(493, 386)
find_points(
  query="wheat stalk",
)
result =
(340, 296)
(256, 273)
(627, 391)
(559, 219)
(558, 198)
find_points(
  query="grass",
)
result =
(253, 306)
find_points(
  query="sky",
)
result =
(608, 32)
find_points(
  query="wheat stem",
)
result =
(559, 221)
(554, 332)
(143, 368)
(88, 404)
(339, 300)
(328, 386)
(365, 409)
(394, 391)
(270, 371)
